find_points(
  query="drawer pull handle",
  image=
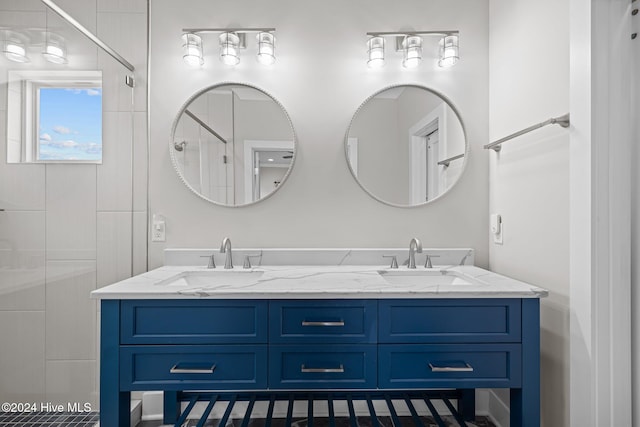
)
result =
(322, 370)
(176, 370)
(309, 323)
(466, 368)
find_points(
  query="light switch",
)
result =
(496, 228)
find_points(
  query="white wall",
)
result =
(321, 78)
(529, 178)
(67, 229)
(635, 222)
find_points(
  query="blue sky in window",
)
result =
(70, 125)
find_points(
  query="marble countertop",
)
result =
(318, 282)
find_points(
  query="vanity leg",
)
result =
(467, 404)
(171, 407)
(114, 404)
(525, 401)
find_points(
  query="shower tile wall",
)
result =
(68, 229)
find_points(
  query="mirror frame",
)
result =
(464, 132)
(177, 120)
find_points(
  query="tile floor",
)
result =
(340, 422)
(44, 419)
(47, 419)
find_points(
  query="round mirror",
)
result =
(406, 145)
(233, 144)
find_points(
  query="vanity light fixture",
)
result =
(15, 47)
(231, 41)
(266, 48)
(192, 49)
(375, 52)
(449, 51)
(229, 45)
(410, 44)
(412, 51)
(55, 49)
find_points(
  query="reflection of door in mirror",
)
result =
(433, 178)
(427, 143)
(401, 145)
(266, 164)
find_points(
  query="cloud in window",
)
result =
(61, 130)
(91, 91)
(45, 138)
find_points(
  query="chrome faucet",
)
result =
(463, 261)
(414, 246)
(226, 248)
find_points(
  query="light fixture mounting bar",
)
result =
(228, 30)
(413, 33)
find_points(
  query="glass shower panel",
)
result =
(66, 225)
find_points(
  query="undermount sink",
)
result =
(423, 277)
(213, 278)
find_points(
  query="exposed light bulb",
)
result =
(192, 49)
(449, 51)
(412, 51)
(55, 49)
(15, 49)
(266, 48)
(229, 44)
(375, 50)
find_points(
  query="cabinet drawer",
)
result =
(342, 321)
(449, 365)
(321, 367)
(197, 367)
(193, 322)
(449, 321)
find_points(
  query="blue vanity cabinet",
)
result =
(281, 346)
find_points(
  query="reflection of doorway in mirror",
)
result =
(265, 165)
(433, 154)
(427, 139)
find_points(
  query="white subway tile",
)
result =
(133, 6)
(139, 242)
(114, 247)
(71, 211)
(72, 381)
(22, 359)
(22, 5)
(140, 150)
(114, 174)
(22, 268)
(71, 314)
(21, 185)
(82, 11)
(22, 19)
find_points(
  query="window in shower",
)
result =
(54, 117)
(69, 125)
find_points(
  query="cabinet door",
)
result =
(193, 321)
(450, 321)
(319, 321)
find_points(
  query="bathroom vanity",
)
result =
(321, 332)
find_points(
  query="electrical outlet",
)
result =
(158, 229)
